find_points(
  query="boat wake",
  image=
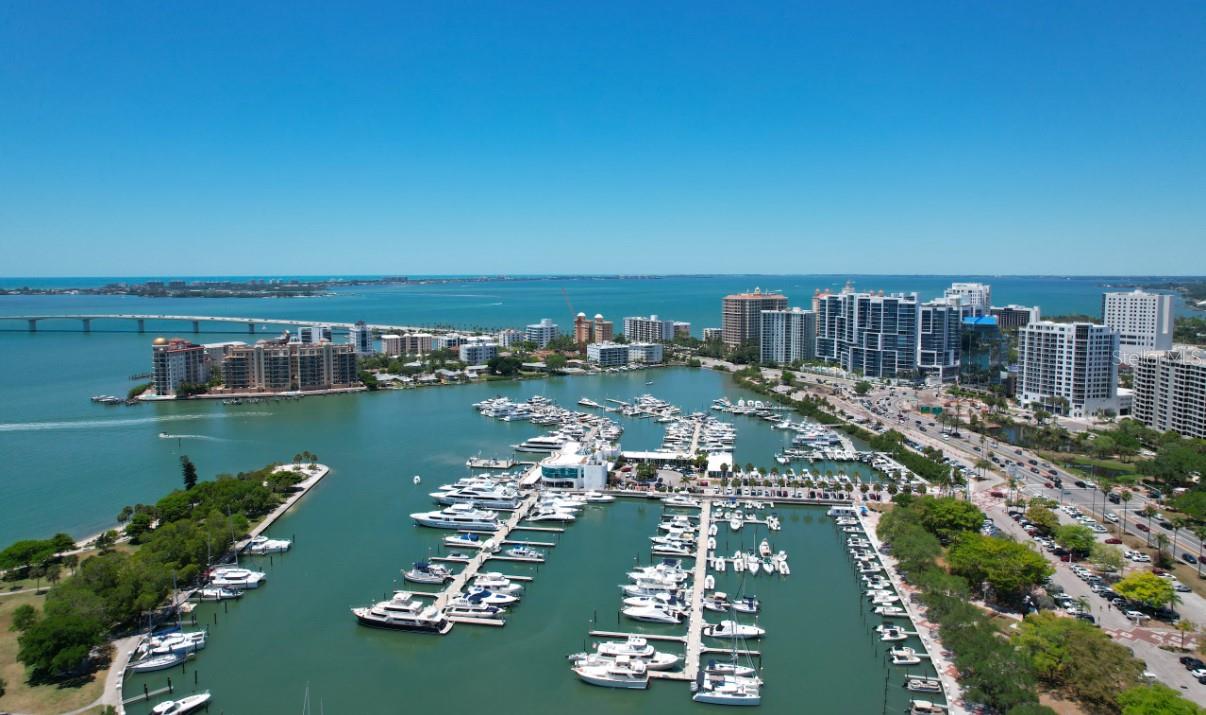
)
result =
(90, 424)
(165, 435)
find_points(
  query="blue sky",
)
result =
(448, 137)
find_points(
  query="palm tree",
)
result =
(1161, 542)
(1126, 497)
(1185, 626)
(1178, 522)
(1149, 512)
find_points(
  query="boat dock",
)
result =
(646, 636)
(475, 564)
(313, 477)
(480, 463)
(695, 621)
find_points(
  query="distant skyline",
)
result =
(413, 138)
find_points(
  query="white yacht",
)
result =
(904, 656)
(548, 513)
(622, 672)
(480, 497)
(153, 663)
(681, 500)
(726, 690)
(725, 667)
(653, 614)
(634, 646)
(467, 539)
(732, 629)
(402, 613)
(216, 594)
(173, 643)
(524, 552)
(891, 633)
(264, 545)
(473, 606)
(587, 402)
(426, 572)
(490, 598)
(187, 704)
(659, 600)
(496, 582)
(656, 661)
(747, 604)
(646, 587)
(545, 443)
(236, 578)
(458, 516)
(717, 602)
(598, 498)
(891, 611)
(674, 548)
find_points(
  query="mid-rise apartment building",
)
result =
(871, 334)
(176, 362)
(1170, 390)
(1012, 317)
(508, 337)
(1143, 321)
(682, 329)
(310, 334)
(713, 334)
(652, 329)
(607, 354)
(741, 316)
(787, 336)
(1068, 368)
(648, 353)
(976, 298)
(983, 352)
(604, 330)
(542, 333)
(477, 352)
(391, 345)
(280, 366)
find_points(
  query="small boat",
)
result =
(676, 548)
(921, 684)
(424, 572)
(735, 523)
(720, 565)
(598, 498)
(653, 614)
(709, 582)
(524, 552)
(416, 479)
(747, 604)
(490, 598)
(217, 594)
(264, 545)
(187, 704)
(752, 563)
(468, 538)
(732, 629)
(711, 543)
(891, 611)
(905, 656)
(726, 690)
(784, 569)
(764, 548)
(891, 634)
(739, 564)
(622, 672)
(150, 664)
(925, 707)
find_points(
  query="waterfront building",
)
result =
(976, 298)
(360, 336)
(983, 352)
(540, 334)
(477, 352)
(448, 341)
(787, 336)
(391, 345)
(938, 344)
(871, 334)
(177, 362)
(648, 353)
(415, 343)
(604, 330)
(652, 329)
(582, 330)
(508, 337)
(1012, 317)
(575, 467)
(1068, 368)
(281, 366)
(1170, 390)
(713, 334)
(741, 315)
(1143, 321)
(682, 329)
(310, 334)
(607, 354)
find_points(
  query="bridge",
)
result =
(140, 319)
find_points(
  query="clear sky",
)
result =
(530, 137)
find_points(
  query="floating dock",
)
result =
(460, 580)
(695, 621)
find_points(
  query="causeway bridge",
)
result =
(140, 319)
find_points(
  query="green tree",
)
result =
(1043, 518)
(1155, 699)
(23, 617)
(58, 644)
(1078, 658)
(946, 517)
(188, 472)
(555, 362)
(862, 387)
(1009, 568)
(1106, 556)
(1075, 538)
(1147, 588)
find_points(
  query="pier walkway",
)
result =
(695, 620)
(475, 564)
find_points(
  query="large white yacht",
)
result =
(543, 443)
(732, 629)
(235, 577)
(726, 690)
(489, 497)
(656, 661)
(653, 614)
(458, 516)
(403, 613)
(623, 672)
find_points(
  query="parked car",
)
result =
(1137, 616)
(1113, 540)
(1188, 557)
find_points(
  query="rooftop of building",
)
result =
(981, 321)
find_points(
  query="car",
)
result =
(1114, 498)
(1198, 673)
(1188, 557)
(1142, 559)
(1142, 527)
(1030, 461)
(1165, 524)
(1192, 663)
(1111, 517)
(1080, 483)
(1113, 540)
(1137, 616)
(1181, 588)
(1017, 452)
(1034, 469)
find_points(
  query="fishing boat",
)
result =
(425, 572)
(622, 672)
(187, 704)
(732, 629)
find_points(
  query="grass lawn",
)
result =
(21, 697)
(1075, 462)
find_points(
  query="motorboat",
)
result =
(545, 443)
(747, 604)
(153, 663)
(233, 577)
(467, 539)
(264, 545)
(494, 581)
(674, 548)
(187, 704)
(925, 707)
(717, 602)
(732, 629)
(752, 563)
(709, 582)
(784, 569)
(458, 516)
(472, 606)
(179, 642)
(483, 497)
(621, 672)
(764, 548)
(904, 656)
(635, 646)
(490, 598)
(891, 611)
(891, 634)
(667, 569)
(425, 572)
(211, 593)
(403, 613)
(922, 684)
(653, 614)
(587, 402)
(735, 523)
(647, 587)
(524, 552)
(598, 498)
(548, 513)
(681, 500)
(726, 667)
(657, 661)
(661, 600)
(673, 538)
(726, 690)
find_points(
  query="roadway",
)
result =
(87, 318)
